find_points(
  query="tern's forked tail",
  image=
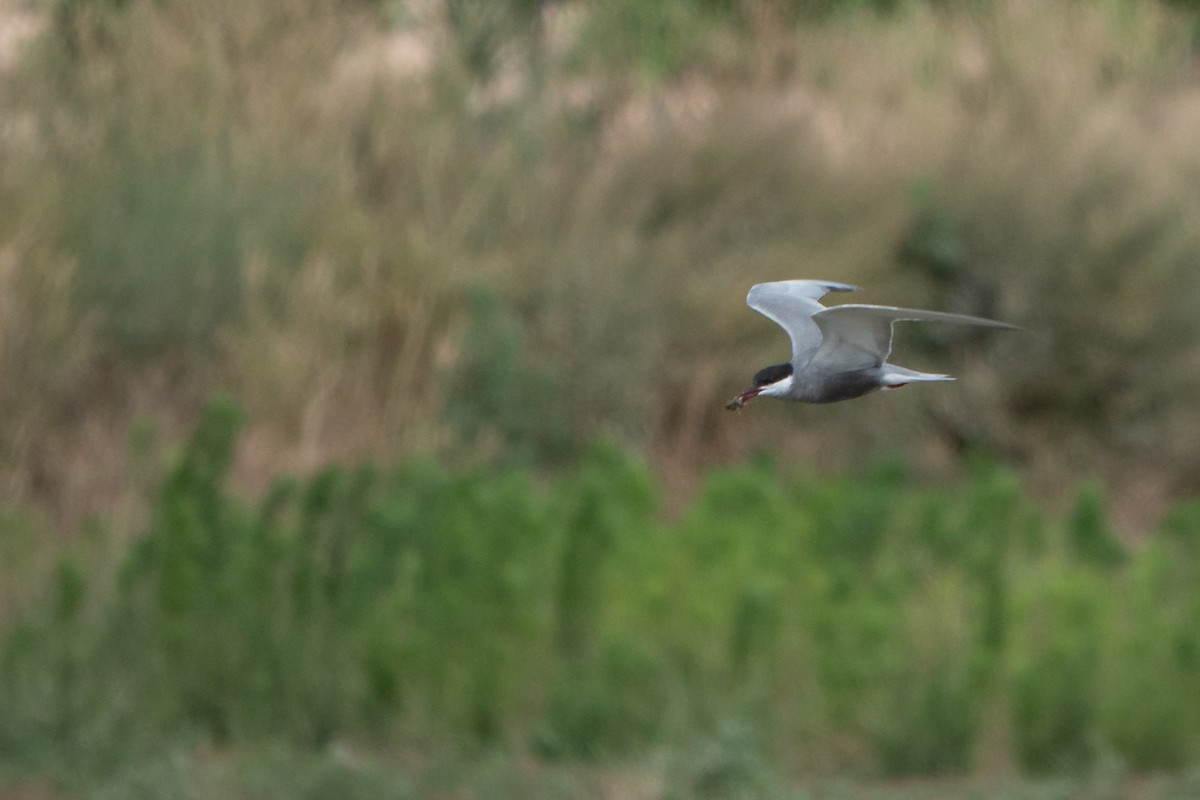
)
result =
(893, 377)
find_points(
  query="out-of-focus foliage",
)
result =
(302, 203)
(797, 621)
(472, 237)
(498, 402)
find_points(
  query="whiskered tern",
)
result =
(839, 352)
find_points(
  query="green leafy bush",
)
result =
(484, 609)
(1056, 671)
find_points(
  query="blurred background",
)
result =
(362, 366)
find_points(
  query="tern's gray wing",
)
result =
(860, 336)
(791, 305)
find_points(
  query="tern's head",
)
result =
(772, 381)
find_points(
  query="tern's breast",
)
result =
(832, 387)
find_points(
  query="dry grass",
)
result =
(295, 202)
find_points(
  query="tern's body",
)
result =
(838, 353)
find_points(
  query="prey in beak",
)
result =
(772, 381)
(739, 401)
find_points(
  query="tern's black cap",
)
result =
(771, 374)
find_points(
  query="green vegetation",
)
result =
(493, 251)
(327, 207)
(782, 625)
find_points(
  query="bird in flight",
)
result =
(840, 352)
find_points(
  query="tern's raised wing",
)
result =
(859, 336)
(791, 305)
